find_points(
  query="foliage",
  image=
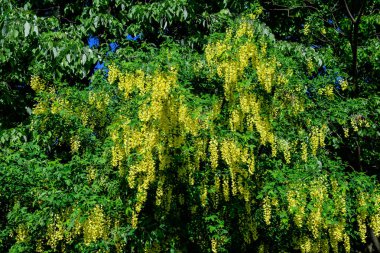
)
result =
(137, 142)
(53, 34)
(351, 30)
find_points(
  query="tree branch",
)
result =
(348, 11)
(287, 8)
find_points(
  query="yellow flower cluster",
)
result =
(232, 69)
(58, 105)
(339, 196)
(113, 73)
(267, 210)
(296, 206)
(318, 194)
(284, 146)
(96, 226)
(214, 51)
(75, 144)
(214, 246)
(216, 190)
(305, 244)
(246, 52)
(265, 72)
(168, 198)
(314, 222)
(290, 99)
(134, 220)
(204, 195)
(213, 149)
(328, 91)
(306, 29)
(41, 108)
(375, 217)
(55, 231)
(145, 140)
(91, 174)
(261, 248)
(145, 171)
(245, 28)
(336, 233)
(21, 233)
(346, 132)
(264, 129)
(344, 84)
(362, 216)
(238, 160)
(375, 222)
(354, 124)
(235, 121)
(226, 189)
(282, 79)
(251, 110)
(322, 135)
(251, 164)
(347, 244)
(358, 121)
(317, 138)
(230, 72)
(309, 65)
(189, 124)
(85, 116)
(126, 83)
(230, 152)
(117, 156)
(37, 83)
(304, 153)
(160, 191)
(101, 100)
(39, 247)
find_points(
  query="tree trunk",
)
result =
(354, 49)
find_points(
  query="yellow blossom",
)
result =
(267, 210)
(306, 29)
(113, 73)
(213, 148)
(37, 83)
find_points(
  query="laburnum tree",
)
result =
(238, 145)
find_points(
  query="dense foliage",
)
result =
(189, 126)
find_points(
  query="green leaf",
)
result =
(185, 14)
(35, 29)
(84, 59)
(26, 28)
(55, 52)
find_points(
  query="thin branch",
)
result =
(333, 9)
(286, 8)
(68, 20)
(49, 8)
(361, 11)
(349, 12)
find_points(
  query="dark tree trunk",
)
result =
(354, 49)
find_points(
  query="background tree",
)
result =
(350, 31)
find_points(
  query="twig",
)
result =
(349, 12)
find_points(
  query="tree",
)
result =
(233, 147)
